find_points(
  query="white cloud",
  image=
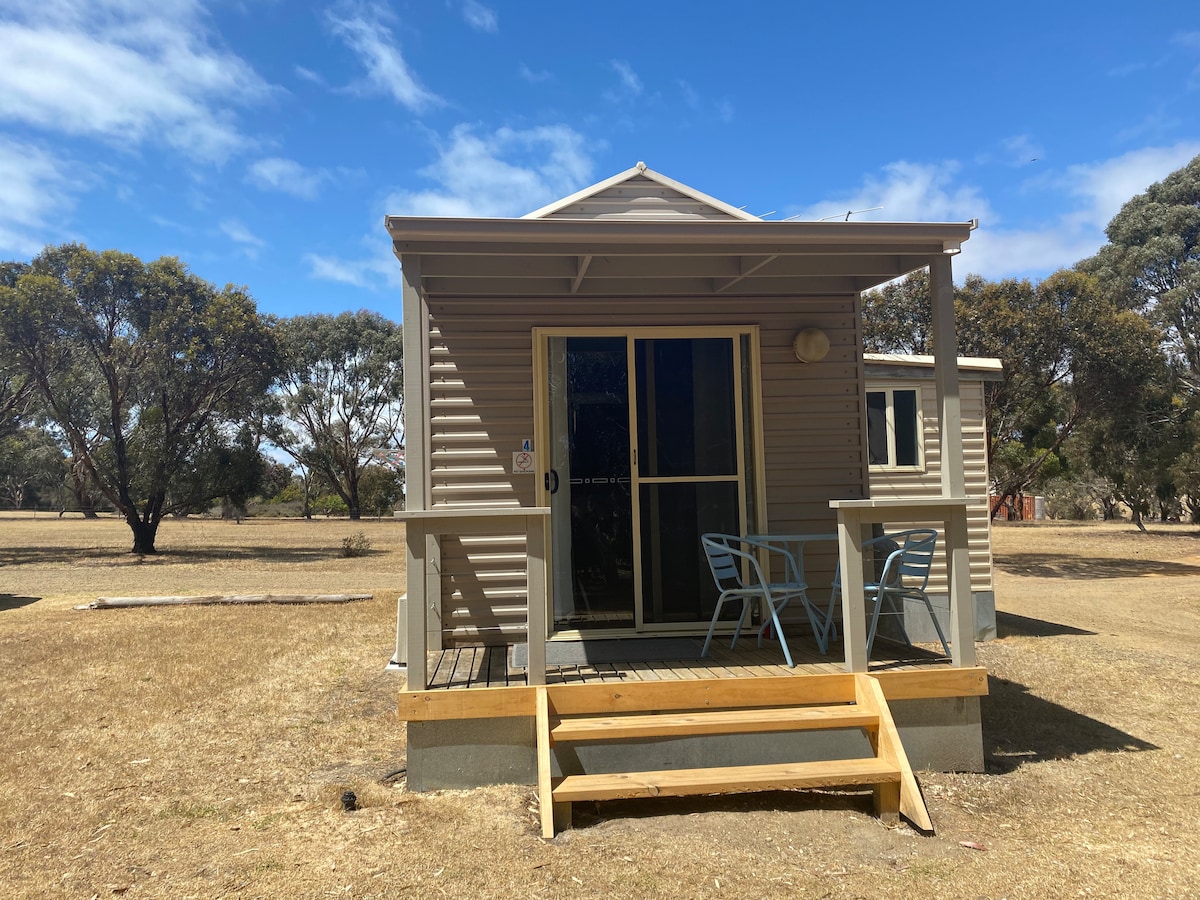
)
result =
(36, 190)
(249, 243)
(506, 173)
(1091, 194)
(480, 17)
(690, 97)
(308, 75)
(371, 272)
(288, 176)
(124, 70)
(907, 192)
(1102, 188)
(363, 28)
(629, 79)
(533, 77)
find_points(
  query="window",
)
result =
(894, 428)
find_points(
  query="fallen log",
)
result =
(228, 599)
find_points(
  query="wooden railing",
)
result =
(854, 520)
(423, 530)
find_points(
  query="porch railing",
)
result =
(854, 520)
(422, 620)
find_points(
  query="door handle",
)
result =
(551, 478)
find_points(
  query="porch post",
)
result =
(945, 370)
(854, 619)
(423, 630)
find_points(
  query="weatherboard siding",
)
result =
(927, 483)
(482, 407)
(640, 198)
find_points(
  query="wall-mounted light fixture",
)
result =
(811, 345)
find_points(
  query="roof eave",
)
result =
(950, 235)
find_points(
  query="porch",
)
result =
(473, 668)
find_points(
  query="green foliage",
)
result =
(141, 366)
(339, 395)
(32, 469)
(381, 489)
(1075, 498)
(1152, 263)
(329, 505)
(897, 318)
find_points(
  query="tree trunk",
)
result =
(143, 535)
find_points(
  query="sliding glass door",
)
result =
(646, 450)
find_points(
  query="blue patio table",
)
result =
(792, 546)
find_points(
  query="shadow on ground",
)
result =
(12, 601)
(1020, 727)
(1059, 565)
(1012, 625)
(588, 814)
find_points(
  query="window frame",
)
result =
(889, 393)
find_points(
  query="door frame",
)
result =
(746, 342)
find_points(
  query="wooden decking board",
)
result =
(725, 780)
(467, 667)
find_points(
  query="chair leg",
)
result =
(818, 623)
(787, 654)
(936, 626)
(830, 622)
(874, 622)
(712, 626)
(737, 632)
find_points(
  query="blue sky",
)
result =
(263, 142)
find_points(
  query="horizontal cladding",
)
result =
(640, 198)
(481, 405)
(928, 483)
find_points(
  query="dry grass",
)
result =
(202, 751)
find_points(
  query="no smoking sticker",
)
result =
(523, 462)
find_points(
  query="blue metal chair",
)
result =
(902, 560)
(727, 554)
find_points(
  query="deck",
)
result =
(463, 668)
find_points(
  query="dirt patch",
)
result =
(204, 751)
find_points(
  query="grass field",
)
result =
(202, 751)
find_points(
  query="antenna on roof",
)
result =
(764, 215)
(848, 213)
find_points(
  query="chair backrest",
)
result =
(725, 560)
(911, 560)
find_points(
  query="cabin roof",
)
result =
(640, 234)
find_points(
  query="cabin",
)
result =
(591, 387)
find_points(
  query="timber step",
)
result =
(579, 714)
(726, 780)
(721, 721)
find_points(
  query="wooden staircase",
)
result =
(623, 712)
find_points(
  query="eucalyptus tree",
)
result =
(1152, 263)
(142, 368)
(1070, 357)
(898, 317)
(340, 396)
(16, 389)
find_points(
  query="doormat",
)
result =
(591, 653)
